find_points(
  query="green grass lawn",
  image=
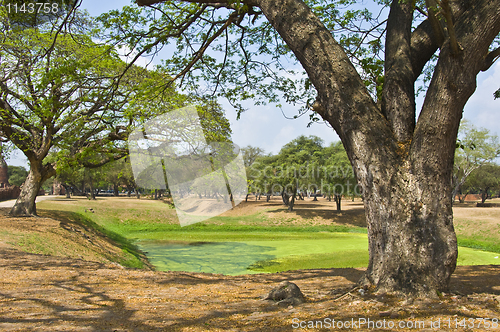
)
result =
(152, 225)
(339, 250)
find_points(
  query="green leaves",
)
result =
(485, 179)
(66, 93)
(304, 163)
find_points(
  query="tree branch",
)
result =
(424, 43)
(22, 99)
(490, 59)
(423, 46)
(121, 153)
(208, 2)
(59, 30)
(344, 100)
(454, 80)
(201, 51)
(398, 98)
(432, 11)
(14, 118)
(455, 46)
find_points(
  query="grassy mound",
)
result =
(68, 234)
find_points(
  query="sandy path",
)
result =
(10, 203)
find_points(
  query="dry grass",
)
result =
(477, 222)
(305, 213)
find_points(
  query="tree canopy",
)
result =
(475, 147)
(62, 91)
(484, 180)
(304, 166)
(17, 175)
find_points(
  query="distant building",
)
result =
(57, 188)
(6, 190)
(4, 174)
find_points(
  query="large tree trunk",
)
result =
(403, 168)
(25, 203)
(412, 243)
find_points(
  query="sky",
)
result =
(267, 128)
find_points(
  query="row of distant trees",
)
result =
(475, 170)
(305, 166)
(302, 167)
(484, 181)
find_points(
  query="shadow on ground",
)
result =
(47, 293)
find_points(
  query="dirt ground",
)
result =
(49, 293)
(306, 212)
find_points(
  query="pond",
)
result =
(230, 258)
(234, 258)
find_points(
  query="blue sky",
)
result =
(266, 127)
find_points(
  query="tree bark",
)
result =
(25, 204)
(92, 190)
(292, 201)
(66, 190)
(398, 98)
(484, 195)
(338, 199)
